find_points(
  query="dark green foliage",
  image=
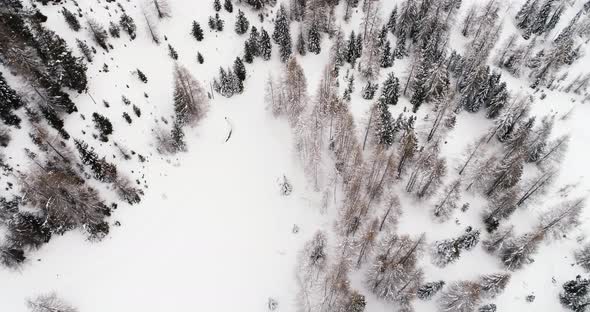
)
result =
(128, 25)
(383, 124)
(114, 30)
(10, 101)
(301, 46)
(264, 45)
(390, 90)
(369, 90)
(127, 117)
(248, 56)
(172, 52)
(239, 69)
(242, 23)
(85, 50)
(103, 125)
(428, 290)
(102, 170)
(71, 19)
(216, 5)
(314, 39)
(197, 32)
(228, 6)
(141, 76)
(282, 34)
(575, 294)
(54, 121)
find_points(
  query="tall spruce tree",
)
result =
(242, 23)
(197, 31)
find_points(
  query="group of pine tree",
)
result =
(393, 154)
(60, 195)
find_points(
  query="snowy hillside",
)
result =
(294, 155)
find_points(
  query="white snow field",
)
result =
(213, 232)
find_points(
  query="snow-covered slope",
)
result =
(213, 232)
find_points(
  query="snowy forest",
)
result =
(294, 155)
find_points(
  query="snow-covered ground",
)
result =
(213, 232)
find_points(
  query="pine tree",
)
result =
(128, 25)
(240, 69)
(460, 297)
(242, 23)
(190, 99)
(487, 308)
(419, 95)
(218, 23)
(85, 50)
(582, 256)
(142, 77)
(197, 32)
(386, 56)
(383, 124)
(493, 285)
(254, 42)
(103, 125)
(102, 170)
(54, 121)
(172, 52)
(314, 39)
(10, 101)
(200, 58)
(390, 90)
(369, 90)
(301, 46)
(392, 21)
(114, 30)
(71, 19)
(282, 35)
(265, 45)
(428, 290)
(228, 6)
(575, 294)
(216, 5)
(99, 34)
(248, 57)
(448, 251)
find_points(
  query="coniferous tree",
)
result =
(240, 69)
(386, 56)
(460, 297)
(190, 99)
(390, 90)
(200, 58)
(449, 250)
(10, 102)
(369, 90)
(219, 23)
(142, 77)
(99, 34)
(391, 23)
(419, 85)
(493, 285)
(85, 50)
(301, 45)
(71, 19)
(282, 34)
(103, 125)
(197, 32)
(265, 45)
(242, 23)
(172, 52)
(314, 39)
(248, 56)
(383, 124)
(102, 170)
(254, 41)
(54, 121)
(575, 294)
(426, 291)
(490, 307)
(114, 30)
(228, 6)
(216, 5)
(128, 25)
(582, 256)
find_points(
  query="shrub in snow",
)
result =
(49, 303)
(575, 294)
(286, 187)
(487, 308)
